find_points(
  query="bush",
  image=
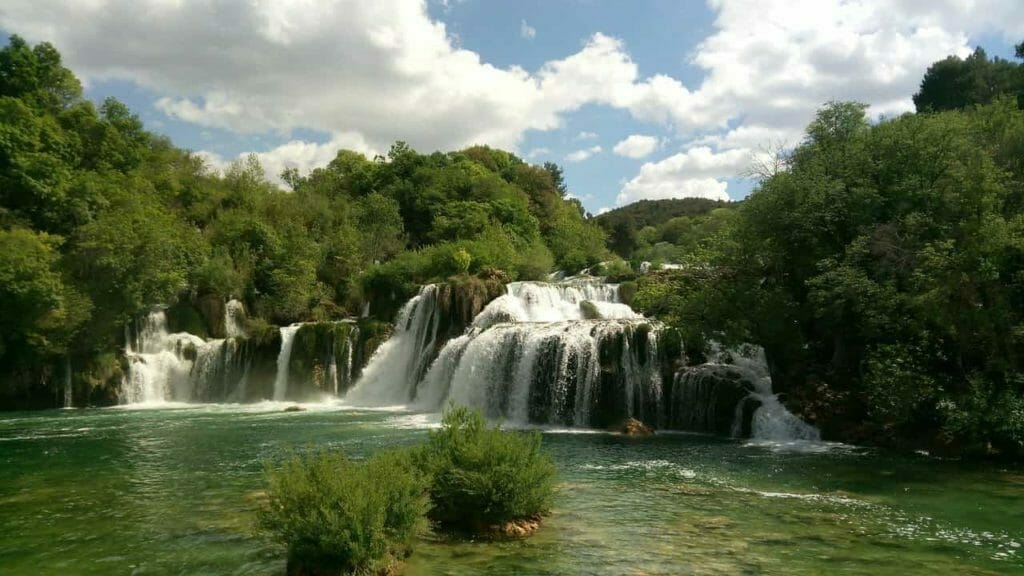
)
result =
(615, 271)
(341, 517)
(483, 476)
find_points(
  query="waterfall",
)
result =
(771, 420)
(283, 358)
(234, 319)
(395, 368)
(568, 353)
(159, 363)
(68, 392)
(573, 372)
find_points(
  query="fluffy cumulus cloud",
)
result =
(698, 172)
(582, 154)
(383, 70)
(636, 146)
(770, 64)
(370, 73)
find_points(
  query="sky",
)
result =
(635, 99)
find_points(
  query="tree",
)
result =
(557, 178)
(380, 223)
(39, 312)
(955, 83)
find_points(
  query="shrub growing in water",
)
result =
(483, 476)
(342, 517)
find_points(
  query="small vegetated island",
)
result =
(336, 516)
(864, 305)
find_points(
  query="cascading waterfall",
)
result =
(572, 372)
(561, 353)
(570, 353)
(732, 394)
(159, 363)
(391, 376)
(283, 359)
(182, 367)
(771, 420)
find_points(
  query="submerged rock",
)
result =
(295, 408)
(634, 427)
(518, 528)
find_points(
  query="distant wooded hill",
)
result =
(655, 212)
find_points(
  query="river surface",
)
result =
(174, 491)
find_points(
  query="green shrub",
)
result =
(483, 476)
(341, 517)
(616, 271)
(627, 291)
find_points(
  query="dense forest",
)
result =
(881, 267)
(101, 220)
(661, 231)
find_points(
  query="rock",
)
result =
(519, 528)
(589, 311)
(295, 408)
(634, 427)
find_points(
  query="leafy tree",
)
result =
(380, 223)
(955, 83)
(39, 311)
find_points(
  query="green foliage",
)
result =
(482, 476)
(380, 225)
(881, 274)
(461, 260)
(957, 83)
(576, 243)
(615, 271)
(660, 230)
(342, 516)
(39, 311)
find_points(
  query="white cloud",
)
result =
(697, 172)
(636, 146)
(526, 31)
(385, 71)
(770, 64)
(585, 135)
(583, 154)
(297, 154)
(382, 69)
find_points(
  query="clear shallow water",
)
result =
(174, 490)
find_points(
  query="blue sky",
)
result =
(644, 99)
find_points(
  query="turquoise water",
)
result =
(173, 491)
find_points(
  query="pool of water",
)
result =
(174, 491)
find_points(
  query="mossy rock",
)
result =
(589, 311)
(461, 298)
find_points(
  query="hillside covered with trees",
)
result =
(101, 220)
(880, 269)
(882, 273)
(656, 230)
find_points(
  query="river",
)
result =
(174, 490)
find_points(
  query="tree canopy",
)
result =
(101, 220)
